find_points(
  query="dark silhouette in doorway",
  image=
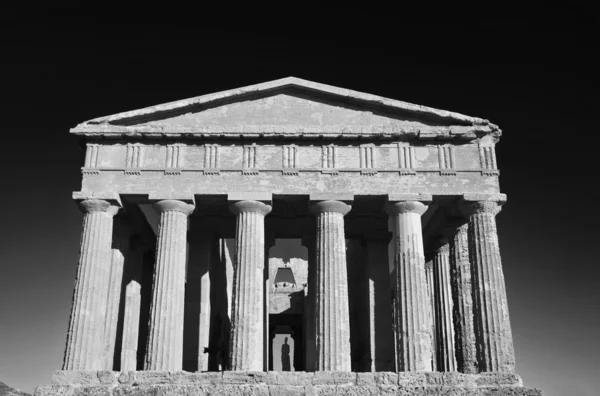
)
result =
(285, 356)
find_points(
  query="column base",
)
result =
(141, 383)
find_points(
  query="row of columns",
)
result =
(483, 342)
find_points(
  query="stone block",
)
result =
(385, 378)
(366, 379)
(99, 390)
(447, 379)
(125, 378)
(412, 379)
(209, 378)
(54, 390)
(334, 378)
(286, 390)
(74, 377)
(145, 390)
(497, 380)
(151, 377)
(293, 378)
(107, 377)
(244, 377)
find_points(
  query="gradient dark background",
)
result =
(529, 70)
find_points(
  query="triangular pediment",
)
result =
(289, 107)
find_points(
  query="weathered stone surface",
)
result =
(165, 341)
(492, 325)
(332, 314)
(290, 383)
(413, 325)
(464, 332)
(85, 339)
(246, 340)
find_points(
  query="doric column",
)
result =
(413, 325)
(431, 306)
(332, 314)
(131, 325)
(120, 248)
(86, 326)
(464, 333)
(165, 340)
(492, 325)
(381, 336)
(444, 331)
(246, 341)
(309, 306)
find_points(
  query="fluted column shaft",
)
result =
(246, 341)
(443, 310)
(131, 325)
(86, 326)
(431, 306)
(464, 332)
(332, 312)
(165, 340)
(413, 324)
(492, 325)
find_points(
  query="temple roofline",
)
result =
(121, 123)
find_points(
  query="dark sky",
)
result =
(528, 70)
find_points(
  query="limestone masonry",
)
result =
(400, 291)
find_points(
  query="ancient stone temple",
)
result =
(291, 238)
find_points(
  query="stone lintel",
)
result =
(317, 197)
(409, 197)
(266, 198)
(474, 197)
(111, 197)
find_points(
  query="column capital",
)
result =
(442, 245)
(397, 207)
(469, 208)
(174, 205)
(98, 205)
(249, 206)
(429, 265)
(319, 207)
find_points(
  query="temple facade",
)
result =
(291, 237)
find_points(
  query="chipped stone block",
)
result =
(413, 379)
(334, 378)
(74, 377)
(151, 377)
(287, 390)
(385, 378)
(107, 377)
(365, 379)
(294, 378)
(446, 379)
(54, 390)
(93, 390)
(497, 379)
